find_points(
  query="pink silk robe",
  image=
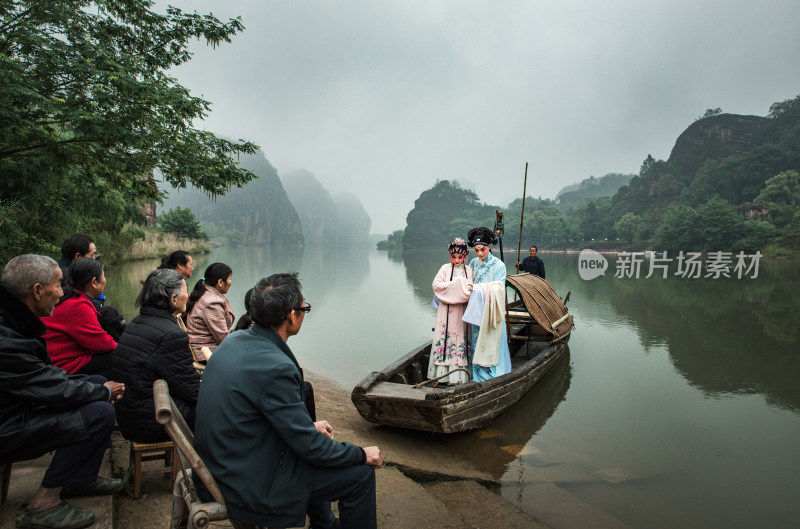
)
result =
(453, 295)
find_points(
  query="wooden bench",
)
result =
(151, 452)
(187, 508)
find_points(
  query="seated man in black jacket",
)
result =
(42, 408)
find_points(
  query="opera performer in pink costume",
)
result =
(450, 348)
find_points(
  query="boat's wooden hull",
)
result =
(387, 397)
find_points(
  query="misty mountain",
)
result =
(314, 206)
(576, 195)
(354, 222)
(260, 211)
(326, 220)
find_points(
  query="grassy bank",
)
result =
(134, 243)
(157, 244)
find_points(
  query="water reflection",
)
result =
(420, 267)
(638, 438)
(725, 336)
(495, 447)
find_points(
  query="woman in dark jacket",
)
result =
(153, 346)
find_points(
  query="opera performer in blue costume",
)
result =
(490, 354)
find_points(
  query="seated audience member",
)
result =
(81, 245)
(271, 461)
(43, 408)
(209, 317)
(182, 263)
(76, 246)
(75, 340)
(245, 322)
(179, 261)
(154, 347)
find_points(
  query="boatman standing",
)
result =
(533, 265)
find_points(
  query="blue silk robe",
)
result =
(491, 269)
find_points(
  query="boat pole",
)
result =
(521, 217)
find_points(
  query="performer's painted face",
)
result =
(482, 251)
(456, 259)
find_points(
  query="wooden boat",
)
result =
(400, 395)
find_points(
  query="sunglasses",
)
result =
(305, 308)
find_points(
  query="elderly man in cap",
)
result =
(42, 408)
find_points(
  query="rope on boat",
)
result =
(469, 375)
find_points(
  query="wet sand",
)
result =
(422, 485)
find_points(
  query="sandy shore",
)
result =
(422, 486)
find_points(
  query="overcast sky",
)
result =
(382, 98)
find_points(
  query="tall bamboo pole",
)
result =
(522, 214)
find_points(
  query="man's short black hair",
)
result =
(534, 247)
(78, 243)
(273, 298)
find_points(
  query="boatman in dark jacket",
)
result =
(533, 265)
(43, 408)
(271, 461)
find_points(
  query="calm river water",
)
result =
(677, 406)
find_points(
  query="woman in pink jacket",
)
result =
(75, 341)
(209, 317)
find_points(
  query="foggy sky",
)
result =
(382, 98)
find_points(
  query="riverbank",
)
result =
(156, 244)
(422, 486)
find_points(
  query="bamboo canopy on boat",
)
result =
(543, 304)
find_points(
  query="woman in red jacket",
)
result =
(75, 341)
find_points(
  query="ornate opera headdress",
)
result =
(458, 246)
(482, 235)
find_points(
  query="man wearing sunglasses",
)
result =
(271, 460)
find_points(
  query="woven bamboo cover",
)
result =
(542, 302)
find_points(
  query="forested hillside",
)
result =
(442, 213)
(259, 213)
(731, 183)
(717, 190)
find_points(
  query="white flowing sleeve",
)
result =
(450, 292)
(474, 311)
